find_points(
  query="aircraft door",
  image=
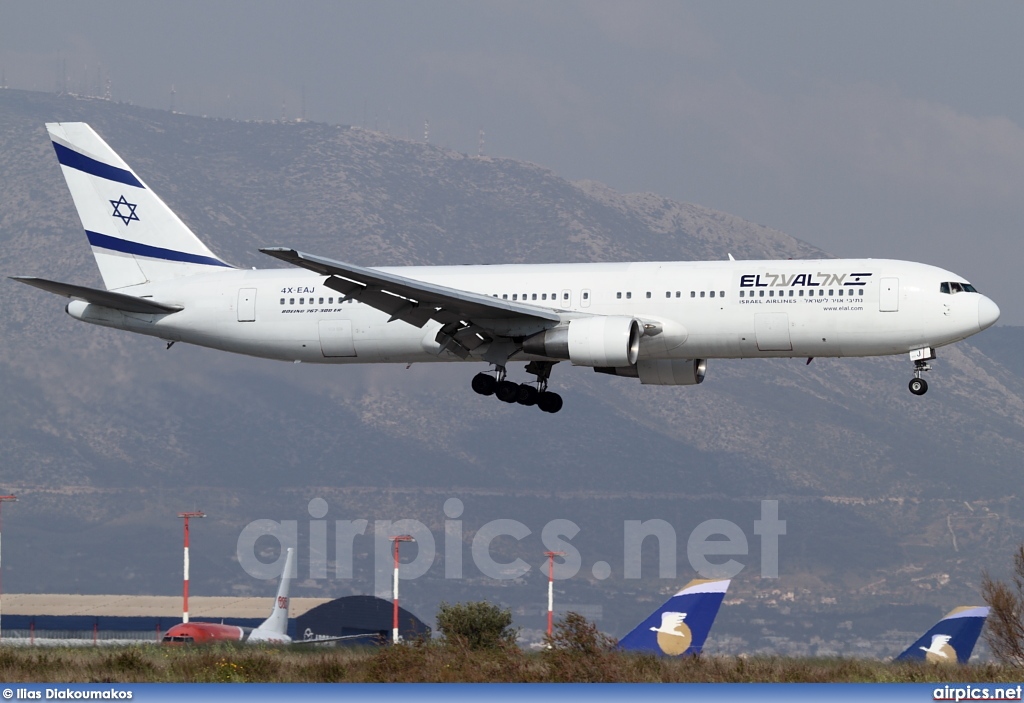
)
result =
(772, 331)
(336, 338)
(889, 295)
(247, 305)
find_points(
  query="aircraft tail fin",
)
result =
(278, 620)
(682, 624)
(951, 639)
(134, 236)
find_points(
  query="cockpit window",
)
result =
(956, 287)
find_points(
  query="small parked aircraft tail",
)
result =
(134, 236)
(681, 625)
(278, 621)
(951, 639)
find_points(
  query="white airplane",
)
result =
(273, 630)
(656, 321)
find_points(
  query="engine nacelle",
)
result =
(671, 372)
(590, 341)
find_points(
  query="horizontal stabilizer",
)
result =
(106, 298)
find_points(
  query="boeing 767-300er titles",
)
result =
(656, 321)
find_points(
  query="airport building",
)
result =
(63, 618)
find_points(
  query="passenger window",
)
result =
(302, 301)
(821, 294)
(504, 296)
(321, 301)
(565, 296)
(721, 294)
(618, 295)
(702, 294)
(741, 294)
(515, 296)
(586, 295)
(668, 294)
(291, 301)
(801, 293)
(790, 292)
(543, 296)
(629, 295)
(712, 294)
(760, 294)
(534, 297)
(648, 294)
(830, 292)
(693, 294)
(771, 294)
(840, 293)
(677, 294)
(282, 301)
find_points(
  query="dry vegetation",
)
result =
(437, 662)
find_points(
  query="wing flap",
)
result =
(106, 298)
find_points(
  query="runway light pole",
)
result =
(186, 516)
(4, 499)
(551, 588)
(394, 620)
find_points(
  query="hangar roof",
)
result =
(199, 607)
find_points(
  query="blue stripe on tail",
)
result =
(85, 164)
(104, 241)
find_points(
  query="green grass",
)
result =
(436, 662)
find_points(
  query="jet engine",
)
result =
(662, 372)
(590, 341)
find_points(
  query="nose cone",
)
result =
(988, 312)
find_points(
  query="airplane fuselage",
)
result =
(722, 309)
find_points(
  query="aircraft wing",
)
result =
(468, 319)
(106, 298)
(324, 640)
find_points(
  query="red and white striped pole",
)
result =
(186, 516)
(394, 620)
(551, 588)
(4, 499)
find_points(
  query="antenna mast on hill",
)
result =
(426, 131)
(173, 91)
(480, 143)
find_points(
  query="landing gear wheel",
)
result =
(918, 386)
(549, 402)
(484, 384)
(507, 392)
(527, 394)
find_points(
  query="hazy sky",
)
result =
(876, 129)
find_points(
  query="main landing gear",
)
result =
(920, 357)
(522, 393)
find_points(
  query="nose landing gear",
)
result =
(920, 357)
(521, 393)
